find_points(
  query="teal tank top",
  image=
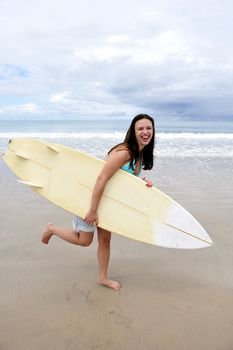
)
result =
(127, 167)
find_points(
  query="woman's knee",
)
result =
(104, 238)
(85, 243)
(85, 239)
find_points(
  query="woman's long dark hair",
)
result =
(131, 144)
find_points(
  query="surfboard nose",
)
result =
(172, 237)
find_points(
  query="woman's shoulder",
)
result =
(120, 153)
(123, 148)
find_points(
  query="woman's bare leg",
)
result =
(80, 238)
(103, 255)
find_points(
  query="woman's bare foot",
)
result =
(109, 283)
(47, 234)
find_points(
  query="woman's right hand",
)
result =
(91, 218)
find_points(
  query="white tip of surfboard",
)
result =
(181, 230)
(32, 184)
(172, 237)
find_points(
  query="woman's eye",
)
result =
(147, 128)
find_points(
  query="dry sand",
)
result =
(170, 299)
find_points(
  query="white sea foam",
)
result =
(179, 145)
(117, 135)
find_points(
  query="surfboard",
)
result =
(66, 177)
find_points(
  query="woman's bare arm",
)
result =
(114, 162)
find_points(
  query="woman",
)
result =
(135, 153)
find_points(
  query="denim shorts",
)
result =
(80, 225)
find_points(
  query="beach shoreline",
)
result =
(169, 298)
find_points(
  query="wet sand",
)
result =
(170, 299)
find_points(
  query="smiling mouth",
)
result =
(145, 138)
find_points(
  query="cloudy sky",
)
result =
(105, 58)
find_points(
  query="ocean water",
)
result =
(177, 140)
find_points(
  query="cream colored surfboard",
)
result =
(66, 177)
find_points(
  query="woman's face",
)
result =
(143, 132)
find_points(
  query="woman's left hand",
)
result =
(148, 182)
